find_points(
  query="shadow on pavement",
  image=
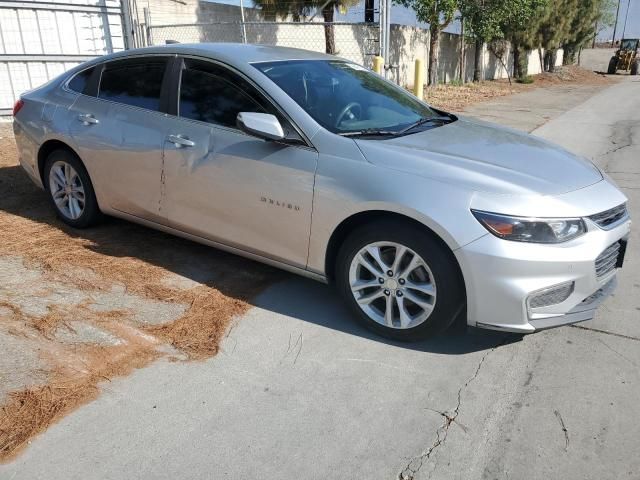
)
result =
(287, 294)
(321, 304)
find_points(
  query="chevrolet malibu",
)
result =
(317, 165)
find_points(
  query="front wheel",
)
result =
(613, 66)
(399, 280)
(635, 66)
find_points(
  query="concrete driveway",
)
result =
(299, 391)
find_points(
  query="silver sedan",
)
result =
(321, 167)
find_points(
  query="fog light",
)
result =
(551, 296)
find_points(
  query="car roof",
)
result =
(231, 52)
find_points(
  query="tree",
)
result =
(298, 9)
(483, 23)
(520, 28)
(588, 17)
(438, 14)
(493, 21)
(554, 28)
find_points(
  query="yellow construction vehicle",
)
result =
(626, 58)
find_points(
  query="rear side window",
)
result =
(80, 82)
(210, 93)
(133, 82)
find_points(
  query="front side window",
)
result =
(80, 82)
(346, 98)
(212, 94)
(133, 82)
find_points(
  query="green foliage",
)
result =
(526, 79)
(297, 8)
(456, 82)
(606, 15)
(438, 12)
(582, 28)
(484, 19)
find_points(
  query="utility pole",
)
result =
(244, 26)
(615, 25)
(462, 52)
(624, 29)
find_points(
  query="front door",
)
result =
(230, 187)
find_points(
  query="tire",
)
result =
(635, 66)
(613, 66)
(70, 190)
(437, 273)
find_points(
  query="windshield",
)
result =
(628, 44)
(344, 97)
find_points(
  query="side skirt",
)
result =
(221, 246)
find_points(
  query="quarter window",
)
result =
(209, 93)
(133, 82)
(80, 82)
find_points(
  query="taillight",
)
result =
(17, 106)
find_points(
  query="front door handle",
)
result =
(88, 119)
(180, 141)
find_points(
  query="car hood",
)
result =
(484, 157)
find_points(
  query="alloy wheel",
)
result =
(67, 190)
(393, 285)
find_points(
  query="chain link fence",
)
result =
(358, 42)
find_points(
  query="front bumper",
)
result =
(501, 275)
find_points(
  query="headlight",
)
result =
(535, 230)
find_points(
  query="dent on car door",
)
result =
(231, 187)
(119, 130)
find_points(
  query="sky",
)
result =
(406, 16)
(633, 21)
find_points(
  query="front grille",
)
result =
(610, 217)
(607, 260)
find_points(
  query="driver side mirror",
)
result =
(263, 125)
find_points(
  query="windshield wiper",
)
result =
(368, 132)
(424, 121)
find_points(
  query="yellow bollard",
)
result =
(418, 82)
(378, 62)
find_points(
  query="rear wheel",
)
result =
(635, 66)
(613, 66)
(70, 189)
(399, 280)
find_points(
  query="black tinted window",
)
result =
(134, 83)
(212, 94)
(80, 81)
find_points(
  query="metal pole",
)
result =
(381, 21)
(127, 29)
(624, 29)
(462, 45)
(387, 35)
(147, 24)
(244, 27)
(615, 25)
(106, 28)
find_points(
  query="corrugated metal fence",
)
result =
(41, 39)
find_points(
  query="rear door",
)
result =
(226, 185)
(119, 128)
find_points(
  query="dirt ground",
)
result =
(456, 97)
(78, 308)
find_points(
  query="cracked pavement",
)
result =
(300, 391)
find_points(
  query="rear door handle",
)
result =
(180, 141)
(88, 119)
